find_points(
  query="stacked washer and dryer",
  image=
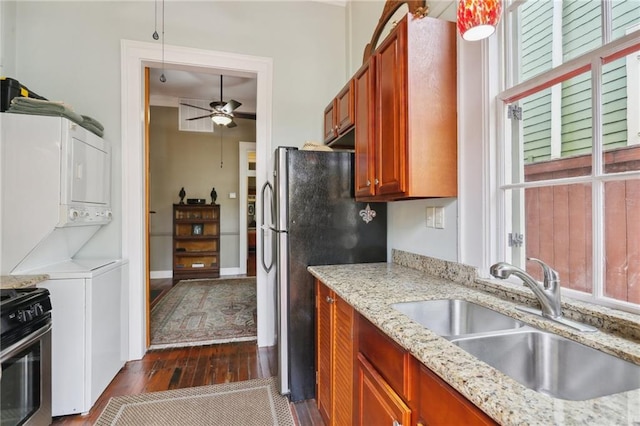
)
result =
(56, 194)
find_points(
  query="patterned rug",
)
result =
(252, 402)
(205, 312)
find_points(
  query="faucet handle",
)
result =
(551, 276)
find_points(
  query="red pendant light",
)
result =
(477, 19)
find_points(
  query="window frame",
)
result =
(593, 62)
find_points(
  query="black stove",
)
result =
(22, 311)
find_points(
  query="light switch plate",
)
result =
(439, 218)
(232, 195)
(431, 212)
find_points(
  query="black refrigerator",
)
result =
(315, 220)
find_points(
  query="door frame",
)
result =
(135, 56)
(244, 148)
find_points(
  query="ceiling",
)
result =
(187, 84)
(181, 84)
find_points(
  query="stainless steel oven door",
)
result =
(25, 381)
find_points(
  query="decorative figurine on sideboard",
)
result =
(182, 193)
(214, 195)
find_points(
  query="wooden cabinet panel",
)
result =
(378, 404)
(335, 357)
(440, 404)
(364, 98)
(196, 241)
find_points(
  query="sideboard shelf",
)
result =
(196, 241)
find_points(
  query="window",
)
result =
(572, 185)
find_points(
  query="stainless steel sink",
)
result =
(553, 365)
(453, 317)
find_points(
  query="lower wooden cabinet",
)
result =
(378, 403)
(366, 378)
(336, 357)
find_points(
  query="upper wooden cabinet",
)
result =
(338, 115)
(411, 82)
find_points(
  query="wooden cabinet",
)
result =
(412, 152)
(339, 115)
(440, 404)
(335, 357)
(196, 241)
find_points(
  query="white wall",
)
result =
(406, 219)
(70, 51)
(7, 38)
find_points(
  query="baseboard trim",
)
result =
(154, 275)
(169, 274)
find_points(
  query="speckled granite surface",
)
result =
(20, 281)
(371, 288)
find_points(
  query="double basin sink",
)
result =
(540, 360)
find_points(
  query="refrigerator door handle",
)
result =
(262, 228)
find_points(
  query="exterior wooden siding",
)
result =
(581, 29)
(559, 224)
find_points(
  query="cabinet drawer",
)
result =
(391, 360)
(378, 404)
(440, 404)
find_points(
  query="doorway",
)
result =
(135, 57)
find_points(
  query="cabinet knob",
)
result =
(368, 182)
(329, 299)
(396, 423)
(376, 181)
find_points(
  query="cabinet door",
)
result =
(364, 99)
(378, 404)
(330, 126)
(343, 362)
(391, 107)
(345, 108)
(323, 358)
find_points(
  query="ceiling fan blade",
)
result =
(247, 115)
(194, 106)
(230, 106)
(197, 118)
(232, 125)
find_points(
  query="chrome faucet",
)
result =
(547, 292)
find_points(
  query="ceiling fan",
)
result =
(222, 113)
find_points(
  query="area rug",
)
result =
(205, 312)
(252, 402)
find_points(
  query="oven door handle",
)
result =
(24, 342)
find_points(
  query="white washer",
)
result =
(89, 329)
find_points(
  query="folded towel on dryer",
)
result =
(21, 105)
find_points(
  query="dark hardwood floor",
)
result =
(195, 366)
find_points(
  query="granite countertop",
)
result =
(371, 288)
(21, 281)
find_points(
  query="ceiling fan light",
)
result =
(221, 119)
(477, 19)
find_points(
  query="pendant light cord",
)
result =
(162, 76)
(221, 138)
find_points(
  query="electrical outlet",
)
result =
(232, 195)
(438, 221)
(431, 213)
